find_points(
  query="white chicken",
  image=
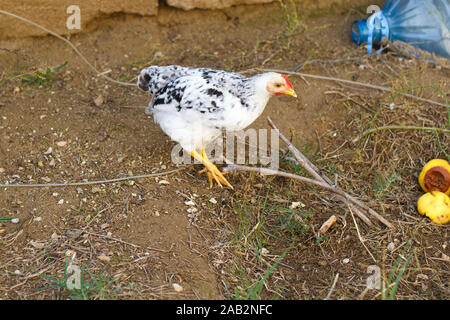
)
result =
(194, 105)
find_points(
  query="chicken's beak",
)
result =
(290, 92)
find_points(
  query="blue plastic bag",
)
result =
(423, 24)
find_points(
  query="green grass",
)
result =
(92, 287)
(260, 223)
(292, 221)
(389, 293)
(384, 182)
(37, 78)
(254, 292)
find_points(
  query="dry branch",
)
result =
(358, 207)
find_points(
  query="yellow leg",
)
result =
(211, 170)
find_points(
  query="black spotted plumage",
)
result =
(193, 105)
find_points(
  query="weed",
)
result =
(393, 291)
(292, 221)
(38, 78)
(384, 183)
(97, 287)
(254, 292)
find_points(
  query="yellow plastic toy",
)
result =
(435, 176)
(436, 206)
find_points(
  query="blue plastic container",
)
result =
(424, 24)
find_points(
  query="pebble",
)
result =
(49, 150)
(189, 203)
(391, 246)
(61, 143)
(70, 253)
(346, 260)
(104, 258)
(61, 201)
(2, 170)
(98, 101)
(96, 190)
(192, 210)
(164, 182)
(177, 287)
(212, 200)
(37, 244)
(37, 219)
(295, 205)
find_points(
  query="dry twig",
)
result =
(359, 208)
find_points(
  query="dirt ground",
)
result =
(138, 238)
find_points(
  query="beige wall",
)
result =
(52, 13)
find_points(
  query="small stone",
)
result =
(259, 185)
(17, 272)
(104, 226)
(37, 244)
(295, 205)
(346, 260)
(37, 219)
(192, 210)
(189, 203)
(46, 179)
(61, 143)
(177, 287)
(2, 170)
(212, 200)
(104, 258)
(61, 201)
(163, 182)
(158, 54)
(49, 150)
(70, 253)
(391, 246)
(42, 116)
(98, 101)
(40, 164)
(52, 162)
(55, 194)
(2, 231)
(96, 190)
(79, 190)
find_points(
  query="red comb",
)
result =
(287, 82)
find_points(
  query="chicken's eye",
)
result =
(278, 85)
